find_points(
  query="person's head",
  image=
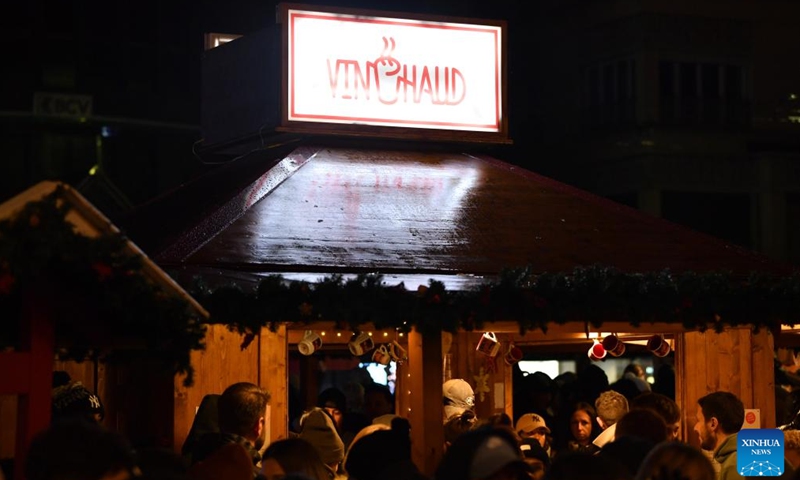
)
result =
(79, 448)
(73, 399)
(665, 407)
(533, 426)
(378, 401)
(580, 422)
(643, 423)
(457, 425)
(628, 452)
(334, 402)
(241, 409)
(635, 369)
(535, 456)
(458, 397)
(719, 415)
(373, 454)
(672, 460)
(611, 406)
(585, 466)
(317, 428)
(292, 456)
(483, 454)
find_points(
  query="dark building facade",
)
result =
(687, 110)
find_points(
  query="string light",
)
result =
(385, 334)
(401, 334)
(370, 334)
(338, 334)
(322, 333)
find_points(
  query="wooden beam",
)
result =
(273, 376)
(425, 385)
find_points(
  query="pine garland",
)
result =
(593, 295)
(104, 306)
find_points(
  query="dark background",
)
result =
(686, 110)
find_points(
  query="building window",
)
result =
(702, 94)
(610, 93)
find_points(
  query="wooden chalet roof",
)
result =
(412, 215)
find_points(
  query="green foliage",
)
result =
(591, 295)
(102, 304)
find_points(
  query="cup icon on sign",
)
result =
(488, 344)
(382, 355)
(361, 344)
(310, 343)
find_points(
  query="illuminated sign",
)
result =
(383, 71)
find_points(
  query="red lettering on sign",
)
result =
(392, 81)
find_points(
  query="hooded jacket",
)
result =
(725, 455)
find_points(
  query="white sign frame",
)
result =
(438, 92)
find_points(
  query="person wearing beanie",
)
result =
(73, 399)
(383, 454)
(458, 398)
(317, 428)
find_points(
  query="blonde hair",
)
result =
(672, 460)
(611, 406)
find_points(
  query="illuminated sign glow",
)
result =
(371, 70)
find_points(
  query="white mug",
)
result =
(361, 344)
(382, 355)
(397, 352)
(310, 343)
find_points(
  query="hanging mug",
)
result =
(397, 352)
(488, 344)
(513, 355)
(360, 344)
(596, 352)
(614, 346)
(381, 355)
(310, 343)
(658, 345)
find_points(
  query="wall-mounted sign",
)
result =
(62, 105)
(370, 69)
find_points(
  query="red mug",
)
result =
(596, 352)
(658, 345)
(613, 345)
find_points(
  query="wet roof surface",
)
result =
(403, 213)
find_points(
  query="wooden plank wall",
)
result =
(736, 360)
(273, 376)
(467, 364)
(425, 385)
(221, 364)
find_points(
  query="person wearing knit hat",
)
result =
(317, 428)
(458, 397)
(383, 454)
(75, 400)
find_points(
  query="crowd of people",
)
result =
(576, 427)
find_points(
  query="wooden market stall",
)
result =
(348, 211)
(330, 191)
(74, 287)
